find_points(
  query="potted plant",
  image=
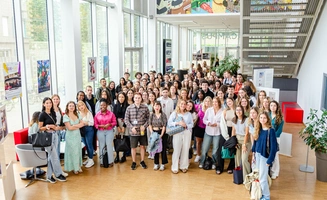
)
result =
(315, 136)
(228, 63)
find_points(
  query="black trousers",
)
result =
(163, 152)
(221, 161)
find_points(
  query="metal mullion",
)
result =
(107, 22)
(94, 35)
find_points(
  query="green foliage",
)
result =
(315, 132)
(37, 15)
(228, 63)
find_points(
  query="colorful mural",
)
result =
(197, 6)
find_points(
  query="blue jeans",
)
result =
(54, 165)
(261, 164)
(61, 137)
(105, 138)
(88, 140)
(207, 140)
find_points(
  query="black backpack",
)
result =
(207, 163)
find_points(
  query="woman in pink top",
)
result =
(105, 121)
(199, 129)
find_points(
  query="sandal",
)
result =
(184, 170)
(174, 172)
(80, 170)
(76, 172)
(218, 172)
(229, 171)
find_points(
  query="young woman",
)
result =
(104, 95)
(87, 117)
(105, 121)
(251, 95)
(145, 98)
(200, 127)
(157, 83)
(156, 91)
(112, 90)
(183, 94)
(152, 99)
(190, 107)
(241, 94)
(173, 95)
(129, 84)
(73, 153)
(264, 133)
(277, 123)
(217, 87)
(265, 104)
(254, 112)
(158, 123)
(130, 95)
(244, 102)
(119, 111)
(80, 96)
(200, 98)
(47, 122)
(122, 82)
(229, 114)
(239, 130)
(261, 96)
(33, 125)
(61, 126)
(212, 120)
(221, 98)
(181, 141)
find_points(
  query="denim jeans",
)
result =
(88, 140)
(61, 137)
(54, 165)
(261, 164)
(105, 138)
(207, 140)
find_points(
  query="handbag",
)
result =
(172, 130)
(238, 175)
(42, 139)
(226, 154)
(207, 163)
(121, 144)
(104, 157)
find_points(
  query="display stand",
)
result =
(7, 180)
(306, 167)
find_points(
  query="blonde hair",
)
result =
(204, 108)
(178, 110)
(79, 103)
(258, 125)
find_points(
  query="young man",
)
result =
(126, 76)
(167, 103)
(90, 98)
(136, 119)
(166, 80)
(138, 77)
(231, 92)
(103, 84)
(227, 78)
(205, 88)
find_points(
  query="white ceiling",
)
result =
(198, 21)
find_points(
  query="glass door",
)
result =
(133, 61)
(232, 51)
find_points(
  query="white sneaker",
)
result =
(156, 167)
(151, 157)
(90, 163)
(194, 152)
(86, 161)
(200, 166)
(197, 159)
(213, 167)
(273, 177)
(64, 174)
(162, 167)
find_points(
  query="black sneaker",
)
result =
(143, 165)
(133, 167)
(61, 178)
(123, 159)
(51, 180)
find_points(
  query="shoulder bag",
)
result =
(172, 130)
(42, 139)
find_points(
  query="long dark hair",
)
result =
(124, 104)
(158, 103)
(108, 99)
(53, 113)
(78, 94)
(234, 120)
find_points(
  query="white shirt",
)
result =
(88, 118)
(212, 118)
(167, 105)
(239, 127)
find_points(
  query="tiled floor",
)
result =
(120, 182)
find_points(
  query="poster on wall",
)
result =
(43, 75)
(272, 93)
(12, 77)
(3, 122)
(105, 66)
(197, 6)
(167, 56)
(263, 77)
(91, 68)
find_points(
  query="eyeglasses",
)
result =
(238, 110)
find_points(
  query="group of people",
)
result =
(211, 110)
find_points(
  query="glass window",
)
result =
(324, 93)
(101, 16)
(127, 4)
(127, 62)
(137, 31)
(127, 29)
(86, 37)
(8, 54)
(36, 48)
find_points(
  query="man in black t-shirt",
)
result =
(205, 88)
